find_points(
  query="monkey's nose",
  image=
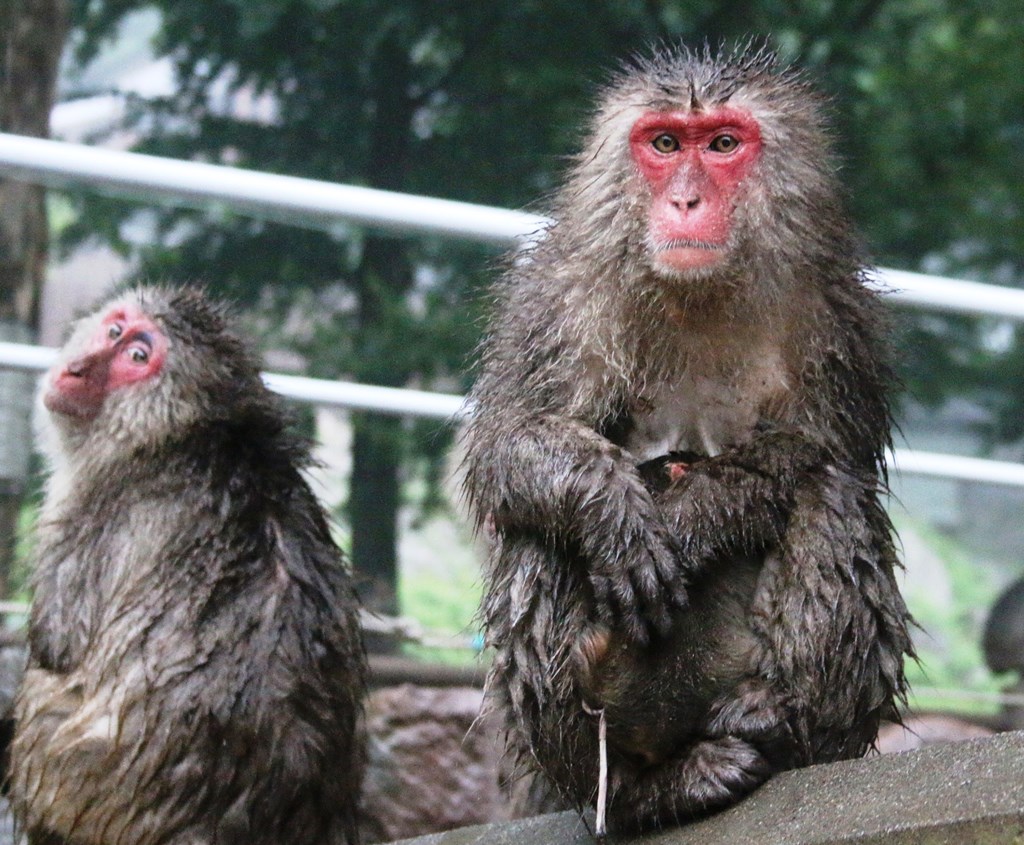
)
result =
(77, 367)
(88, 365)
(686, 203)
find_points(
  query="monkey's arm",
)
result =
(831, 627)
(558, 478)
(739, 501)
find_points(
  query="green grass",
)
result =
(949, 642)
(441, 589)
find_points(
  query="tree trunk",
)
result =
(373, 507)
(377, 445)
(32, 36)
(385, 280)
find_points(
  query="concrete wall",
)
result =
(969, 793)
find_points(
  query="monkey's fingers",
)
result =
(619, 606)
(615, 604)
(671, 577)
(630, 556)
(660, 590)
(640, 596)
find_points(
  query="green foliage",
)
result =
(1006, 388)
(444, 594)
(19, 588)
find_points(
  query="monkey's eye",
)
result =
(115, 331)
(138, 355)
(665, 143)
(724, 144)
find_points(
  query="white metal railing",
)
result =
(338, 394)
(317, 204)
(367, 397)
(306, 202)
(917, 290)
(327, 205)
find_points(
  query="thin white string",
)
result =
(601, 826)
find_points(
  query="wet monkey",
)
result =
(196, 668)
(681, 416)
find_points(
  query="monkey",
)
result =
(1003, 637)
(196, 669)
(680, 417)
(1002, 643)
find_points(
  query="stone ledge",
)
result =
(968, 793)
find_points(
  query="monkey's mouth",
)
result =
(687, 254)
(688, 243)
(81, 404)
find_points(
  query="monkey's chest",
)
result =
(705, 412)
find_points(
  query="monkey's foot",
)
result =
(719, 771)
(757, 714)
(713, 774)
(755, 711)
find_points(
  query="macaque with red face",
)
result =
(196, 669)
(680, 424)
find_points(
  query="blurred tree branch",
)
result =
(32, 34)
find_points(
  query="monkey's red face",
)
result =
(127, 348)
(694, 163)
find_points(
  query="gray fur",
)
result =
(744, 619)
(196, 668)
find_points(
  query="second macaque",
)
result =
(195, 663)
(679, 435)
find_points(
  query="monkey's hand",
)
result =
(739, 501)
(614, 531)
(558, 478)
(632, 561)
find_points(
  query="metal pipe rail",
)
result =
(452, 408)
(337, 394)
(327, 205)
(307, 202)
(956, 296)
